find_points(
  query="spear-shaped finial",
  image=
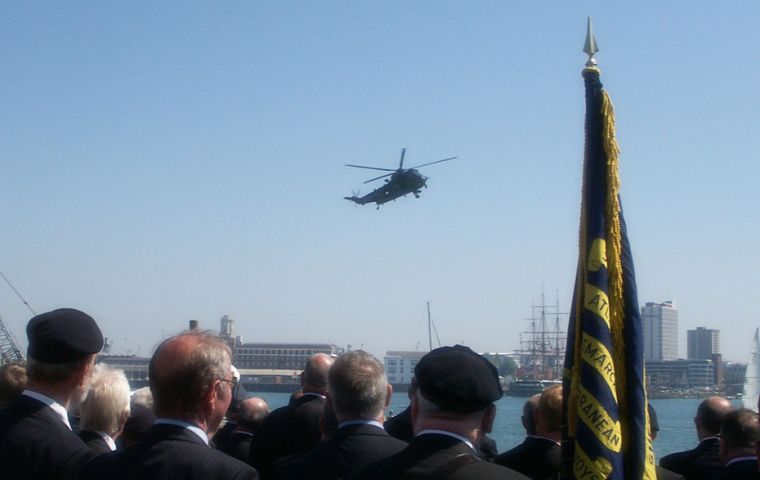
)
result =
(590, 47)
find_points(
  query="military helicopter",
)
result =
(403, 181)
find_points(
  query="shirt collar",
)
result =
(59, 409)
(314, 395)
(348, 423)
(107, 438)
(742, 459)
(181, 423)
(450, 434)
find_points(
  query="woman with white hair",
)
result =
(105, 409)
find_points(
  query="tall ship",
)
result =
(542, 351)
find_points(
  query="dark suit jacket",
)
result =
(36, 444)
(537, 457)
(664, 474)
(741, 470)
(426, 455)
(237, 445)
(352, 447)
(169, 452)
(400, 426)
(94, 441)
(287, 431)
(701, 463)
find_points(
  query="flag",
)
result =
(605, 433)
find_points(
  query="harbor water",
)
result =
(675, 416)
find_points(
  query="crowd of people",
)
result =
(62, 416)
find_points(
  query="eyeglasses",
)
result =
(234, 385)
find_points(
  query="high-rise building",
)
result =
(660, 325)
(702, 343)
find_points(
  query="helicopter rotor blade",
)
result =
(437, 161)
(401, 163)
(372, 168)
(378, 178)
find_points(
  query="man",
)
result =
(452, 410)
(703, 462)
(250, 413)
(36, 441)
(739, 433)
(105, 409)
(358, 393)
(192, 386)
(540, 455)
(12, 382)
(400, 426)
(294, 428)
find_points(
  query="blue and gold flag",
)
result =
(606, 430)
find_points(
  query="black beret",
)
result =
(458, 379)
(63, 336)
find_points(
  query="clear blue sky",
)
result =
(167, 161)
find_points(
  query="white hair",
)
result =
(106, 405)
(143, 396)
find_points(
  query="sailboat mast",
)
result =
(430, 334)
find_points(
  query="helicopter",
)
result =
(403, 181)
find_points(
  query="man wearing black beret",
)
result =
(36, 441)
(451, 411)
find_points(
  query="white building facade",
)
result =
(660, 325)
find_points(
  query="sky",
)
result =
(168, 161)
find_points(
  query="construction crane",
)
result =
(9, 351)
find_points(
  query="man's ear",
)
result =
(488, 418)
(388, 395)
(210, 398)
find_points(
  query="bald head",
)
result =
(314, 376)
(251, 412)
(710, 415)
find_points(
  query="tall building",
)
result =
(399, 366)
(702, 343)
(660, 325)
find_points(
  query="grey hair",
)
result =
(106, 405)
(358, 385)
(52, 373)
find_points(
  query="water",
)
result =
(675, 416)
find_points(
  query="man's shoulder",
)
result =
(706, 452)
(159, 456)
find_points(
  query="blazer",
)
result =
(537, 457)
(435, 456)
(701, 463)
(288, 430)
(36, 444)
(741, 470)
(352, 447)
(169, 452)
(94, 441)
(237, 445)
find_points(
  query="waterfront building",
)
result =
(681, 373)
(702, 343)
(660, 325)
(279, 356)
(399, 366)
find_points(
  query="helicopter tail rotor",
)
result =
(401, 163)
